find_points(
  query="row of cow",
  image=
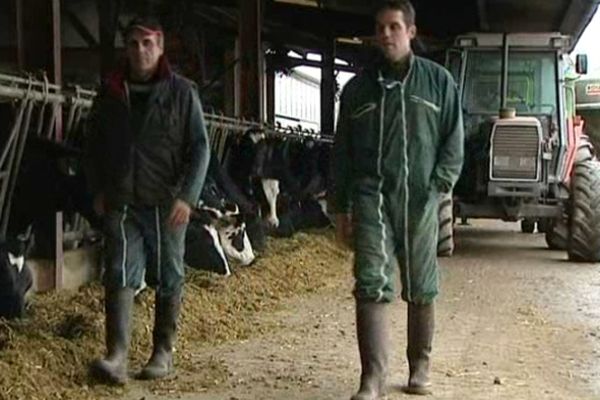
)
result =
(263, 186)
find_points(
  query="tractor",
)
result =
(587, 96)
(526, 157)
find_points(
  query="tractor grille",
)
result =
(515, 152)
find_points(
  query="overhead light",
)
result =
(467, 41)
(293, 54)
(353, 40)
(306, 3)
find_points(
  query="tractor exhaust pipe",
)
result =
(504, 82)
(505, 112)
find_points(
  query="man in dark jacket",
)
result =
(148, 154)
(398, 146)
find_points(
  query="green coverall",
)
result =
(398, 145)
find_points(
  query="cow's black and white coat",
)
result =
(217, 233)
(15, 277)
(287, 177)
(49, 181)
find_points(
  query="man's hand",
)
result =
(343, 230)
(180, 214)
(99, 204)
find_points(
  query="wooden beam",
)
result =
(296, 62)
(576, 17)
(328, 88)
(108, 22)
(80, 28)
(484, 23)
(38, 37)
(39, 48)
(270, 96)
(320, 22)
(19, 11)
(251, 53)
(229, 83)
(59, 256)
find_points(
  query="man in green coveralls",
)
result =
(399, 144)
(147, 154)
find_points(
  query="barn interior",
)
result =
(54, 53)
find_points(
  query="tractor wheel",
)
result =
(544, 225)
(584, 234)
(527, 226)
(446, 226)
(557, 235)
(585, 150)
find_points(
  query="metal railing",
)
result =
(57, 113)
(221, 127)
(38, 107)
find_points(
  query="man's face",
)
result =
(143, 52)
(393, 35)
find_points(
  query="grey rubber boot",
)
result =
(372, 333)
(118, 306)
(165, 327)
(421, 324)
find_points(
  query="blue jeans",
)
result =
(141, 244)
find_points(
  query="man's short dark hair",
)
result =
(399, 5)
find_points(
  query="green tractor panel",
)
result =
(526, 158)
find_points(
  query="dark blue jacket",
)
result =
(166, 159)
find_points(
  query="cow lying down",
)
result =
(217, 237)
(15, 277)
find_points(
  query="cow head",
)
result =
(215, 236)
(203, 248)
(15, 277)
(246, 157)
(17, 248)
(236, 243)
(231, 230)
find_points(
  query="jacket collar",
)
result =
(114, 83)
(388, 72)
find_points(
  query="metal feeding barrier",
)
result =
(38, 107)
(57, 113)
(220, 128)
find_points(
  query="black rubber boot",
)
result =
(372, 333)
(165, 327)
(421, 324)
(118, 305)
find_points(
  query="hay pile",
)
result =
(46, 355)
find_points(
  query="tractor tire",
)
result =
(584, 233)
(527, 226)
(557, 235)
(446, 225)
(544, 225)
(585, 150)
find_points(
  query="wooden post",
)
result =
(328, 89)
(251, 77)
(39, 49)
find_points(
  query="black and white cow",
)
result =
(307, 163)
(16, 278)
(225, 189)
(217, 233)
(287, 177)
(49, 180)
(244, 164)
(215, 237)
